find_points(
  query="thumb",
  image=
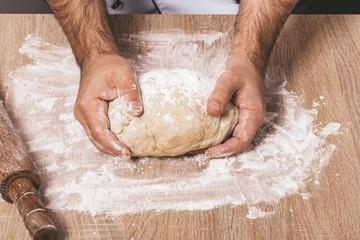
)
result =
(221, 95)
(129, 94)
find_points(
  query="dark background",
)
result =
(303, 7)
(327, 7)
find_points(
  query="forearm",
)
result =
(258, 25)
(86, 25)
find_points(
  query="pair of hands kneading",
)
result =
(111, 77)
(107, 76)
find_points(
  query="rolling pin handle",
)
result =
(27, 200)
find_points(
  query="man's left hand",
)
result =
(243, 84)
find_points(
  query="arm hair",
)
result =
(86, 26)
(257, 27)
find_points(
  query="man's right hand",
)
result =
(103, 79)
(105, 75)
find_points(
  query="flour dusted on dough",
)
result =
(174, 121)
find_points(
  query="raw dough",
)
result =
(174, 121)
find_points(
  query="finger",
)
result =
(199, 151)
(129, 93)
(221, 95)
(106, 142)
(82, 121)
(228, 148)
(80, 117)
(249, 122)
(96, 124)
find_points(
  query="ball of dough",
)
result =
(174, 120)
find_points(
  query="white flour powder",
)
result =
(255, 213)
(287, 151)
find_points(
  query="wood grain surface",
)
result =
(319, 55)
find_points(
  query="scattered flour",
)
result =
(255, 213)
(287, 151)
(47, 104)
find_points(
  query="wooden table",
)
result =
(318, 54)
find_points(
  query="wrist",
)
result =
(238, 60)
(98, 59)
(249, 58)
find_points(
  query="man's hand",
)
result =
(104, 79)
(257, 26)
(104, 74)
(243, 84)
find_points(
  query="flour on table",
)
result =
(287, 151)
(255, 213)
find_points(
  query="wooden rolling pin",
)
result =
(19, 181)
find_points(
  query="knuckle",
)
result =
(80, 104)
(97, 145)
(126, 72)
(262, 117)
(130, 90)
(76, 114)
(261, 113)
(96, 135)
(94, 130)
(220, 93)
(222, 88)
(130, 95)
(103, 150)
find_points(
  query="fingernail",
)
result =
(214, 106)
(216, 155)
(207, 155)
(125, 155)
(134, 107)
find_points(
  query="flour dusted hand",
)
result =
(103, 79)
(174, 120)
(243, 84)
